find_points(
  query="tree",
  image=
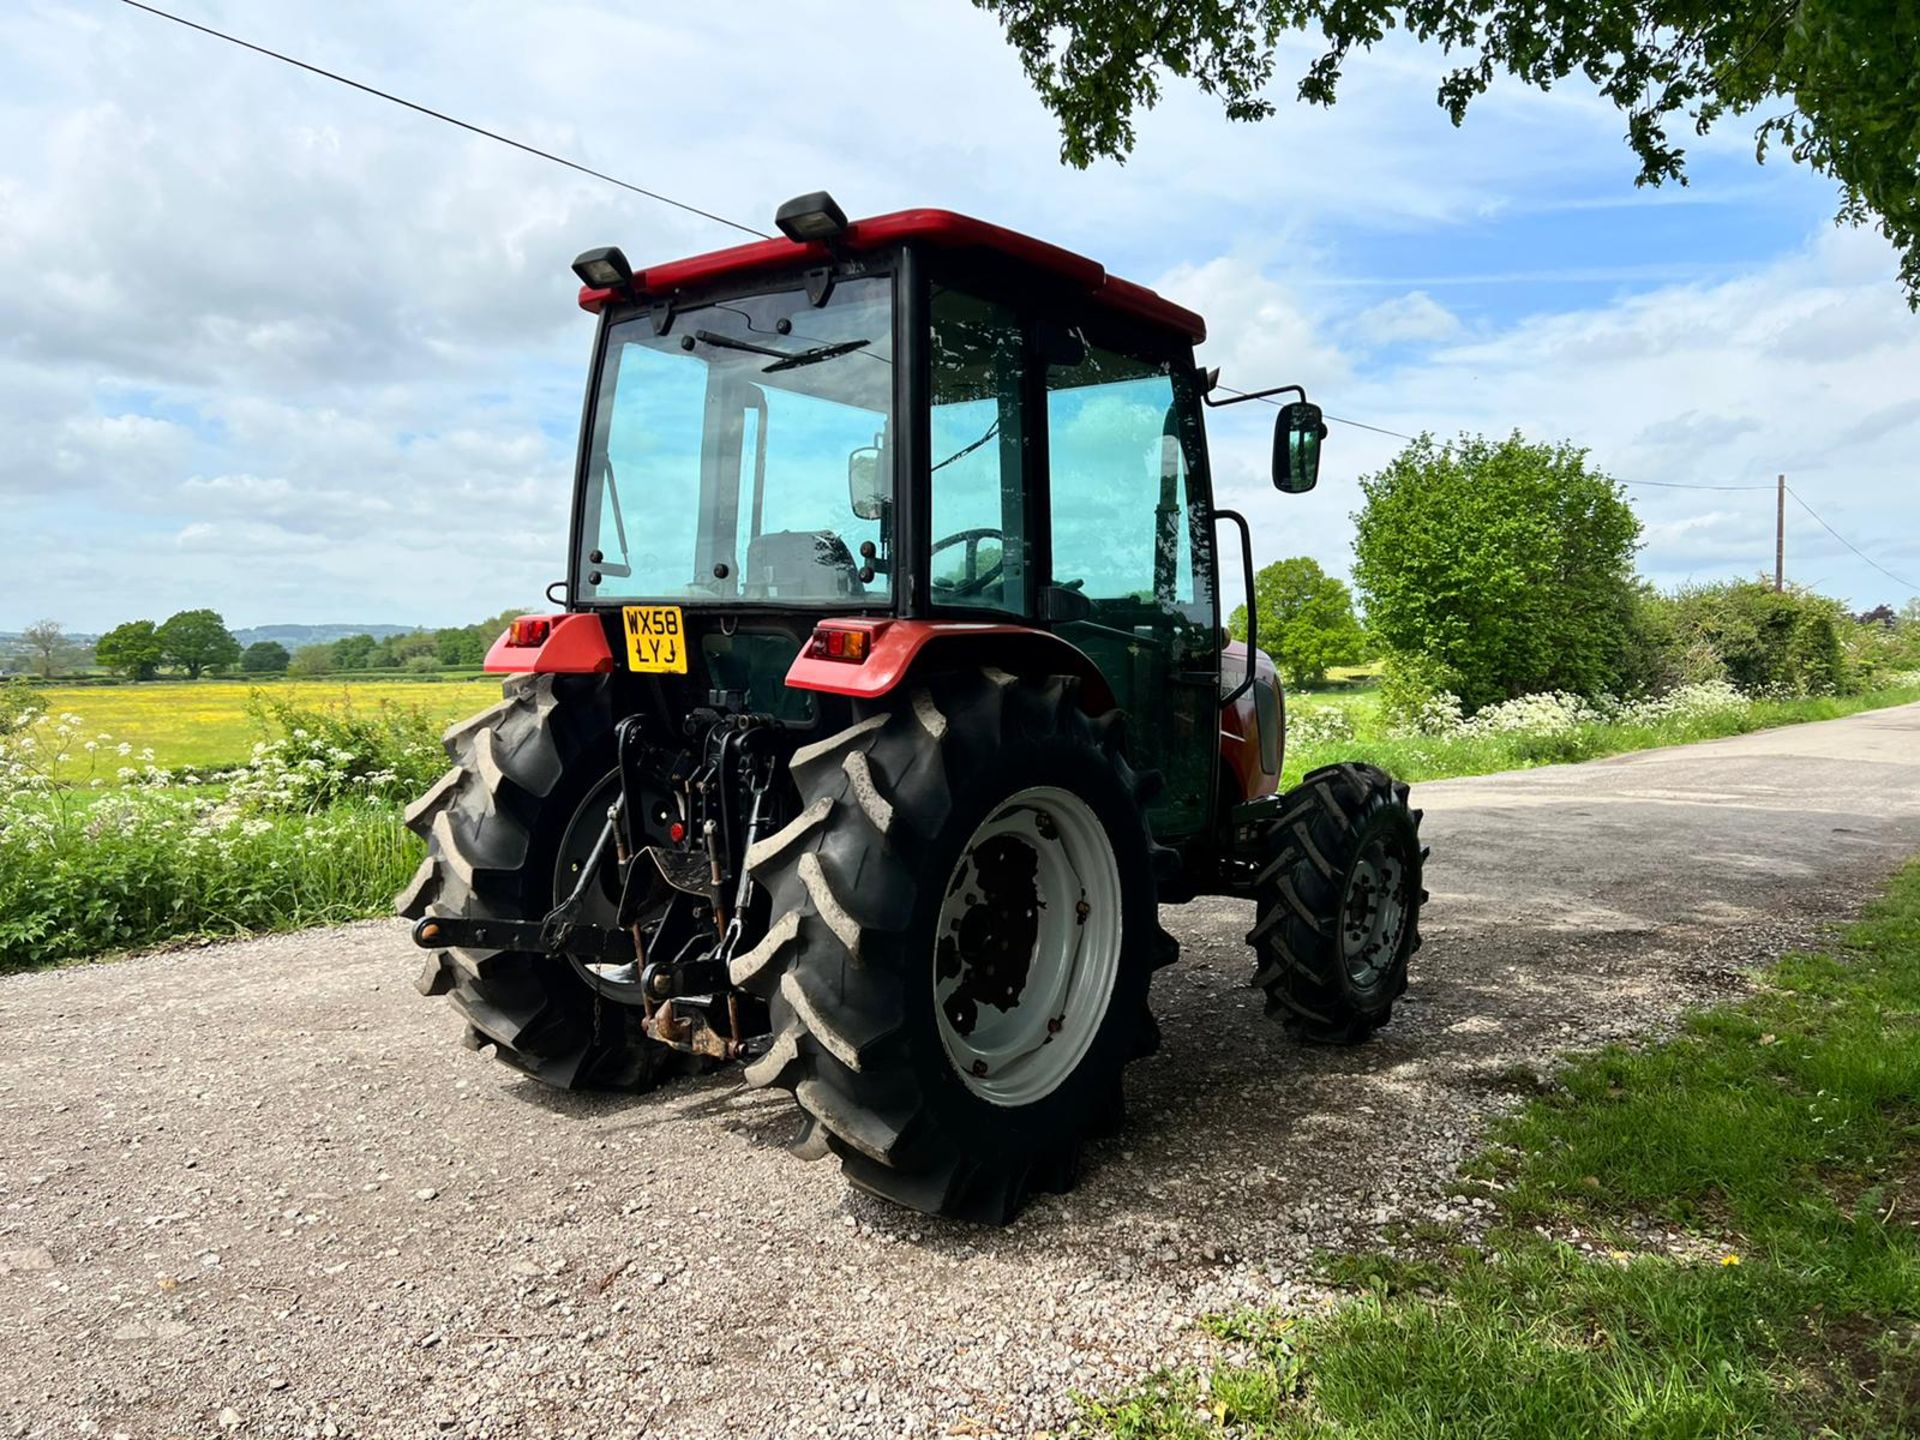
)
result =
(47, 642)
(132, 649)
(460, 646)
(197, 640)
(1306, 620)
(311, 660)
(1766, 637)
(265, 657)
(355, 652)
(403, 648)
(1506, 563)
(1835, 74)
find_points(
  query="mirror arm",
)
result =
(1299, 390)
(1253, 611)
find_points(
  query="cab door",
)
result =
(1127, 521)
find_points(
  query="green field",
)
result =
(206, 724)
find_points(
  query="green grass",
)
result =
(114, 870)
(1781, 1133)
(206, 723)
(1419, 757)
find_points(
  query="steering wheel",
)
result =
(975, 580)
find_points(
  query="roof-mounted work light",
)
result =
(808, 218)
(604, 269)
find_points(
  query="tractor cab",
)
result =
(888, 702)
(918, 418)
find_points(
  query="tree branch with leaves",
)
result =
(1833, 80)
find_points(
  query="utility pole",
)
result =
(1780, 537)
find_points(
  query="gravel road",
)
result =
(258, 1188)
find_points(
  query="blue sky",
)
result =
(270, 345)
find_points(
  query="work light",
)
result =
(603, 269)
(807, 218)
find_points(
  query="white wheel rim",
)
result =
(1015, 1032)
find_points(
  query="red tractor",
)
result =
(887, 702)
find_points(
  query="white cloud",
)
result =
(274, 346)
(1701, 384)
(1415, 316)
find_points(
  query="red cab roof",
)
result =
(940, 228)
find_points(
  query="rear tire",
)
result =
(908, 818)
(493, 826)
(1339, 903)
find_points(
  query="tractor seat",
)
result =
(800, 565)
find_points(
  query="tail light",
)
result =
(529, 632)
(839, 642)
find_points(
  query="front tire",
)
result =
(1339, 903)
(964, 927)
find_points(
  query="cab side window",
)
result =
(980, 548)
(1119, 484)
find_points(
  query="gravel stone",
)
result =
(661, 1266)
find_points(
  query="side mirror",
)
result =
(866, 483)
(1297, 433)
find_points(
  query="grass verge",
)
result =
(1780, 1135)
(1430, 757)
(104, 873)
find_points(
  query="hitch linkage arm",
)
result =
(558, 934)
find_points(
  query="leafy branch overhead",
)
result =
(1834, 80)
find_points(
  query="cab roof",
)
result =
(942, 229)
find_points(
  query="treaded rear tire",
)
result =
(493, 825)
(1321, 828)
(846, 966)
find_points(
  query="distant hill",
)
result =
(294, 636)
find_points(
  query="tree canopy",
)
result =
(265, 657)
(1507, 564)
(198, 640)
(132, 649)
(1306, 620)
(1833, 78)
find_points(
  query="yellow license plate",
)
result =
(656, 639)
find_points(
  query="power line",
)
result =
(1340, 419)
(1849, 544)
(450, 120)
(1660, 484)
(1400, 435)
(1376, 429)
(1688, 485)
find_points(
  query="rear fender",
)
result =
(900, 649)
(574, 645)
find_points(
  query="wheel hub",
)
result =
(1373, 912)
(989, 948)
(1027, 946)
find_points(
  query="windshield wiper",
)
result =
(783, 359)
(815, 355)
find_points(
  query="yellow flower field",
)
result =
(205, 722)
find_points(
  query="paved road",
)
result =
(258, 1188)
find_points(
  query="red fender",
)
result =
(895, 649)
(1243, 768)
(571, 645)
